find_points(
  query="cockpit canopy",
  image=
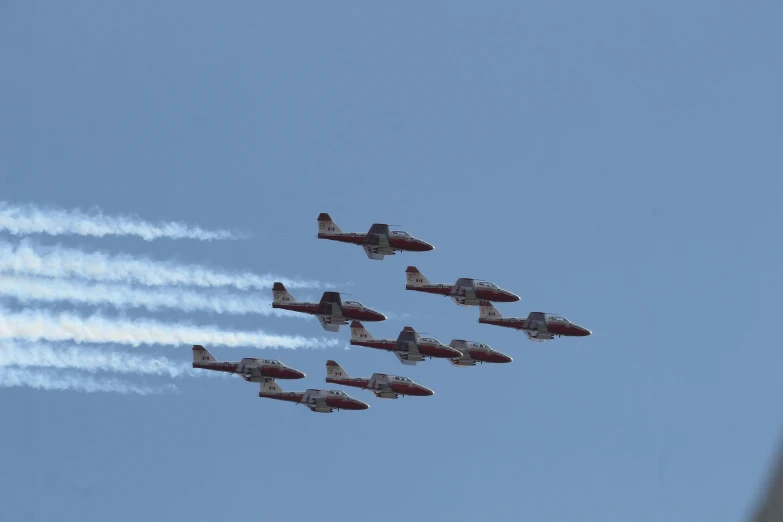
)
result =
(429, 340)
(485, 284)
(355, 304)
(557, 318)
(272, 362)
(482, 346)
(400, 233)
(337, 393)
(401, 379)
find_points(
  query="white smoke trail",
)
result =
(25, 354)
(29, 219)
(56, 380)
(27, 258)
(27, 289)
(38, 325)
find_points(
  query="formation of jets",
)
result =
(409, 346)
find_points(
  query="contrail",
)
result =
(28, 289)
(28, 219)
(42, 326)
(54, 380)
(28, 258)
(25, 354)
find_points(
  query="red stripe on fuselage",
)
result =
(218, 367)
(308, 308)
(296, 397)
(382, 344)
(361, 383)
(357, 239)
(445, 290)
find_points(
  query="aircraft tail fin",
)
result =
(281, 295)
(414, 277)
(359, 332)
(488, 311)
(202, 355)
(334, 370)
(271, 386)
(326, 226)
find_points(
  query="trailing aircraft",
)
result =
(332, 311)
(319, 401)
(384, 386)
(465, 292)
(538, 326)
(409, 346)
(378, 242)
(473, 352)
(250, 369)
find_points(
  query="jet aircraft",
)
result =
(332, 311)
(409, 346)
(465, 292)
(250, 369)
(538, 326)
(378, 242)
(319, 401)
(473, 352)
(382, 385)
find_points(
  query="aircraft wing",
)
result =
(769, 506)
(403, 357)
(370, 251)
(459, 300)
(248, 366)
(326, 322)
(314, 400)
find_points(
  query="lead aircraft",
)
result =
(332, 311)
(538, 326)
(319, 401)
(465, 292)
(378, 242)
(409, 346)
(250, 369)
(384, 386)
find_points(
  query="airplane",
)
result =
(473, 352)
(382, 385)
(409, 346)
(538, 326)
(319, 401)
(332, 311)
(465, 292)
(378, 242)
(250, 369)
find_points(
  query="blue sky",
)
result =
(618, 163)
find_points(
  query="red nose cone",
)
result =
(422, 246)
(510, 297)
(296, 374)
(359, 405)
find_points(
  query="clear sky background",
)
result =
(618, 163)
